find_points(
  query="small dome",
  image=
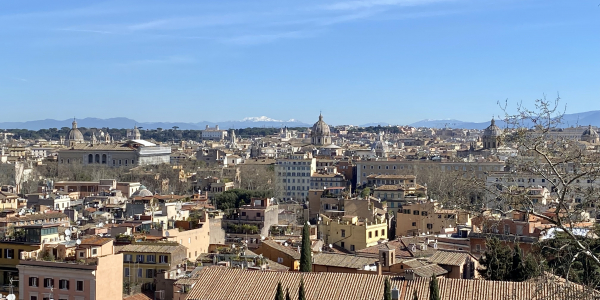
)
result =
(320, 128)
(143, 192)
(589, 134)
(493, 130)
(74, 134)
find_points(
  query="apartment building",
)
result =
(293, 176)
(426, 217)
(94, 272)
(389, 167)
(142, 261)
(351, 233)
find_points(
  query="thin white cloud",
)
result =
(161, 61)
(147, 25)
(85, 30)
(268, 38)
(365, 4)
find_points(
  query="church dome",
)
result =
(493, 130)
(143, 192)
(320, 128)
(74, 134)
(589, 134)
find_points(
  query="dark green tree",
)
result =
(518, 272)
(301, 292)
(279, 293)
(365, 192)
(287, 294)
(496, 261)
(532, 266)
(387, 289)
(306, 252)
(434, 289)
(415, 296)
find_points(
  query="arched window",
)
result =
(90, 159)
(104, 158)
(68, 161)
(97, 158)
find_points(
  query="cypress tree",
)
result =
(279, 293)
(306, 252)
(496, 260)
(301, 292)
(434, 290)
(287, 294)
(532, 267)
(387, 289)
(517, 272)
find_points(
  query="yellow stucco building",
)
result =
(351, 233)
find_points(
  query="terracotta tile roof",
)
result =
(287, 250)
(139, 296)
(428, 270)
(374, 250)
(153, 248)
(342, 260)
(35, 217)
(95, 240)
(219, 283)
(451, 258)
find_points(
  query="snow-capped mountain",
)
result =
(259, 119)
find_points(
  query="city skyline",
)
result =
(191, 62)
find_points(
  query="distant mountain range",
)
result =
(569, 120)
(130, 123)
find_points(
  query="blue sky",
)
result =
(358, 61)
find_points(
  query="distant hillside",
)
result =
(120, 123)
(569, 120)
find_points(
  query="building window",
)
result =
(33, 298)
(150, 258)
(370, 234)
(140, 272)
(382, 232)
(126, 272)
(80, 283)
(127, 258)
(163, 259)
(63, 284)
(140, 258)
(376, 233)
(477, 248)
(351, 247)
(33, 281)
(343, 233)
(280, 260)
(9, 253)
(414, 224)
(149, 273)
(48, 282)
(95, 251)
(429, 226)
(342, 244)
(416, 212)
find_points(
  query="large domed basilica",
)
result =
(320, 134)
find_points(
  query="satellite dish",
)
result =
(285, 244)
(100, 224)
(262, 238)
(67, 238)
(67, 232)
(78, 242)
(11, 297)
(330, 246)
(167, 234)
(178, 271)
(74, 229)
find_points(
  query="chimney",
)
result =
(395, 294)
(379, 271)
